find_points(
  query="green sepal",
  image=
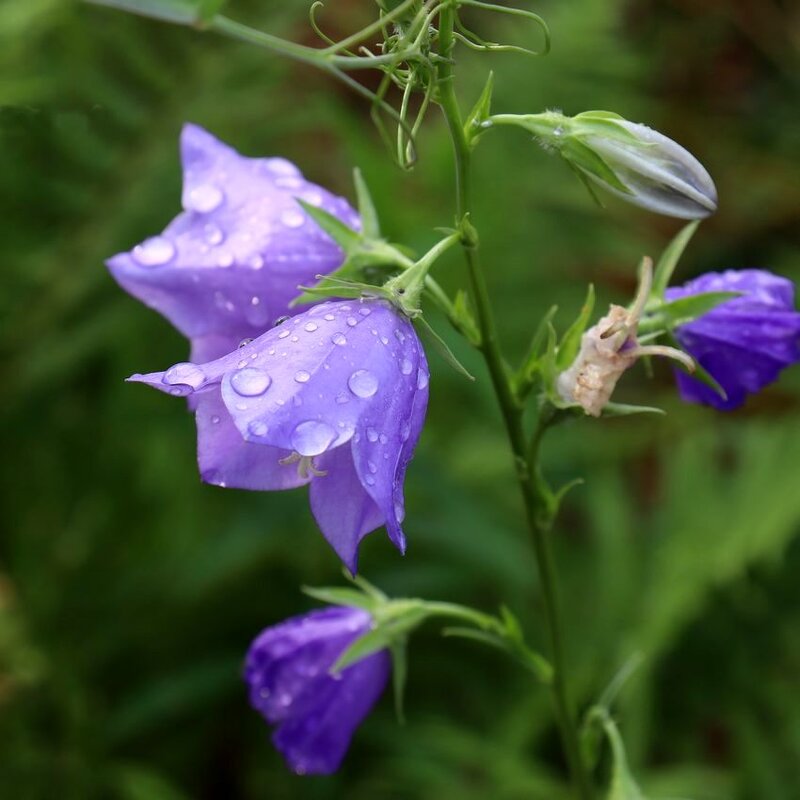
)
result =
(443, 348)
(700, 372)
(623, 785)
(340, 596)
(590, 163)
(624, 410)
(666, 316)
(473, 125)
(603, 123)
(548, 368)
(571, 341)
(181, 12)
(392, 621)
(399, 655)
(530, 366)
(348, 239)
(670, 257)
(370, 226)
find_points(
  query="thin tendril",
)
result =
(514, 12)
(312, 18)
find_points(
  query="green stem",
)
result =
(536, 504)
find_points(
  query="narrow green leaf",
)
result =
(340, 596)
(623, 785)
(345, 237)
(685, 309)
(571, 342)
(480, 112)
(370, 226)
(371, 642)
(669, 258)
(181, 12)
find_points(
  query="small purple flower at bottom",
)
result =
(743, 343)
(315, 713)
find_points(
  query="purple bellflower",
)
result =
(334, 397)
(743, 343)
(315, 713)
(227, 267)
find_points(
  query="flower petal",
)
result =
(344, 512)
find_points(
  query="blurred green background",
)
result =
(129, 591)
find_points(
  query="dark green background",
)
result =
(129, 591)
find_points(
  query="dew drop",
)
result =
(184, 374)
(329, 317)
(339, 338)
(245, 342)
(365, 312)
(225, 260)
(250, 382)
(312, 438)
(372, 467)
(293, 218)
(213, 234)
(406, 367)
(215, 420)
(372, 435)
(310, 326)
(405, 431)
(256, 262)
(301, 376)
(342, 398)
(283, 334)
(282, 166)
(352, 322)
(363, 383)
(422, 379)
(258, 428)
(369, 480)
(154, 252)
(383, 438)
(204, 199)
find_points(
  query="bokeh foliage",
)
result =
(129, 591)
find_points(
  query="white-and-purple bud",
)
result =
(628, 159)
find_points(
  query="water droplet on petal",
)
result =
(204, 198)
(250, 382)
(363, 383)
(383, 438)
(301, 376)
(369, 480)
(215, 420)
(311, 326)
(225, 260)
(352, 322)
(185, 374)
(365, 312)
(330, 317)
(422, 379)
(245, 342)
(154, 252)
(406, 366)
(213, 234)
(258, 428)
(342, 398)
(372, 467)
(339, 338)
(284, 333)
(256, 262)
(405, 431)
(293, 218)
(281, 166)
(312, 438)
(372, 435)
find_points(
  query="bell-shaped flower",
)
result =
(315, 713)
(334, 397)
(226, 267)
(743, 343)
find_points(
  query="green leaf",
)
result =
(181, 12)
(669, 258)
(571, 342)
(480, 113)
(340, 596)
(370, 226)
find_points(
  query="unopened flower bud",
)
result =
(628, 159)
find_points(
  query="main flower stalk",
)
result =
(526, 462)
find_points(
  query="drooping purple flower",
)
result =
(315, 713)
(226, 267)
(334, 397)
(745, 342)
